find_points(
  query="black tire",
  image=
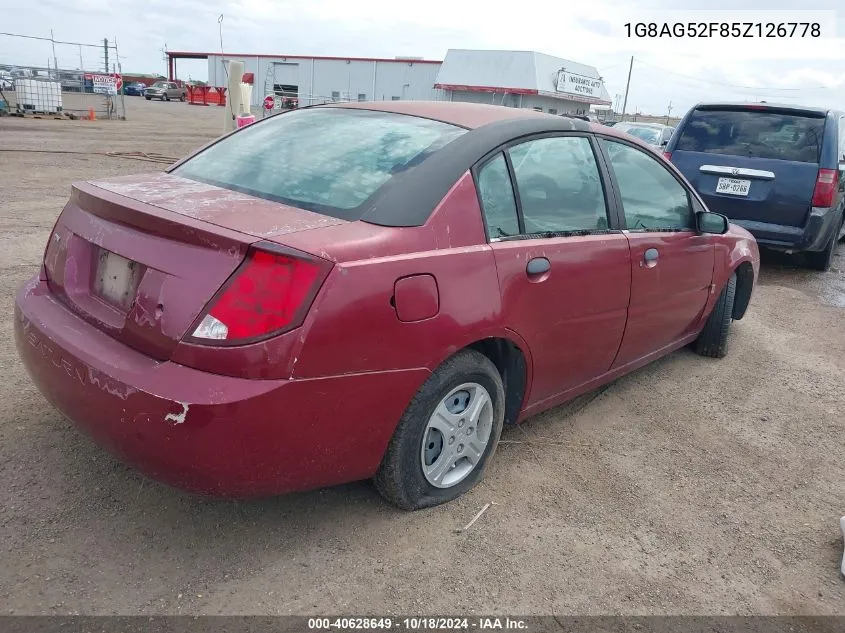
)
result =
(181, 97)
(148, 98)
(713, 340)
(400, 478)
(822, 260)
(166, 98)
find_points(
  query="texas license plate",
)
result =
(116, 279)
(733, 186)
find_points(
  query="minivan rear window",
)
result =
(754, 133)
(328, 160)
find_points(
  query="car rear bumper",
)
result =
(813, 236)
(205, 432)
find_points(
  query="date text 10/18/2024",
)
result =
(418, 624)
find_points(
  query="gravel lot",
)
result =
(693, 486)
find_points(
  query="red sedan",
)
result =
(370, 291)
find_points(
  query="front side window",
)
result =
(652, 198)
(328, 160)
(559, 186)
(497, 201)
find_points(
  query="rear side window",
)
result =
(559, 186)
(329, 160)
(754, 133)
(497, 202)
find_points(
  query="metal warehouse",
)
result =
(521, 79)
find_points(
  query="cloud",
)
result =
(680, 70)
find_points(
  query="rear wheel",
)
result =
(822, 260)
(166, 98)
(181, 97)
(713, 340)
(447, 435)
(148, 98)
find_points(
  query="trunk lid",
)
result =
(140, 257)
(766, 159)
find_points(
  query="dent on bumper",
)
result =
(204, 432)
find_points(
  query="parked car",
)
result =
(777, 170)
(370, 290)
(655, 134)
(165, 90)
(135, 89)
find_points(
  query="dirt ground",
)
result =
(693, 486)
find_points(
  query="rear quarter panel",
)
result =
(354, 326)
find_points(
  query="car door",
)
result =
(671, 263)
(563, 264)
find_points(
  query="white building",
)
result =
(521, 79)
(313, 80)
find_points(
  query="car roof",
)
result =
(763, 105)
(462, 114)
(477, 115)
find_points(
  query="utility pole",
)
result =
(627, 86)
(106, 54)
(55, 61)
(81, 65)
(668, 112)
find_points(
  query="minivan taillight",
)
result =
(825, 191)
(668, 156)
(269, 294)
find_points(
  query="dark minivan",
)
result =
(776, 170)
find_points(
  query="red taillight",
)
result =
(667, 156)
(269, 294)
(825, 191)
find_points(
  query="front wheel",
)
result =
(166, 98)
(148, 98)
(447, 435)
(713, 340)
(181, 97)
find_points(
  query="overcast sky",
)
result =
(680, 71)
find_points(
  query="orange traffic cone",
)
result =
(91, 115)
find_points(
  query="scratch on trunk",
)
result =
(178, 418)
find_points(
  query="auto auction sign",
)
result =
(106, 84)
(586, 88)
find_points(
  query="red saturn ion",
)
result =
(370, 291)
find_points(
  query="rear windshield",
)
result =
(754, 133)
(647, 134)
(329, 160)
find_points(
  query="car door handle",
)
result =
(650, 258)
(538, 266)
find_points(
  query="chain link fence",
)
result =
(78, 81)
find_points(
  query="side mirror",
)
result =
(714, 223)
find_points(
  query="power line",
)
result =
(724, 85)
(47, 39)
